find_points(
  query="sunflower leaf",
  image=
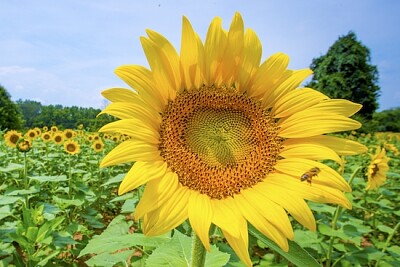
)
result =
(296, 254)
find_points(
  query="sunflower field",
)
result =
(59, 208)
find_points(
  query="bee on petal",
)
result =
(307, 176)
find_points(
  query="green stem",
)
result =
(388, 242)
(334, 223)
(69, 176)
(198, 252)
(26, 182)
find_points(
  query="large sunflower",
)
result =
(219, 138)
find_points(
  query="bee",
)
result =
(310, 174)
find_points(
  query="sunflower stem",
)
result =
(26, 182)
(334, 223)
(198, 252)
(69, 176)
(388, 242)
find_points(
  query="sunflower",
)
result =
(31, 134)
(11, 138)
(219, 138)
(71, 147)
(54, 129)
(69, 133)
(45, 128)
(58, 138)
(377, 169)
(24, 145)
(98, 146)
(46, 136)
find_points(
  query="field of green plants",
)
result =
(58, 208)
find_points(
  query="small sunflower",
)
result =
(24, 145)
(11, 138)
(219, 138)
(58, 138)
(69, 133)
(377, 169)
(98, 146)
(31, 134)
(38, 131)
(46, 136)
(45, 128)
(54, 129)
(71, 147)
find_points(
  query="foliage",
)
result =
(345, 72)
(37, 115)
(58, 209)
(10, 118)
(388, 120)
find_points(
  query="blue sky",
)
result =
(65, 52)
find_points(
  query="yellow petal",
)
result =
(169, 57)
(288, 85)
(134, 128)
(296, 101)
(200, 216)
(156, 192)
(315, 192)
(293, 203)
(130, 151)
(312, 124)
(340, 145)
(226, 216)
(173, 212)
(260, 223)
(252, 51)
(141, 79)
(327, 176)
(240, 244)
(214, 47)
(308, 151)
(191, 56)
(163, 75)
(121, 95)
(268, 74)
(141, 173)
(273, 212)
(139, 114)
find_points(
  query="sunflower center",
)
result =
(218, 141)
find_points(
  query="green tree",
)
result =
(30, 110)
(10, 117)
(346, 72)
(388, 120)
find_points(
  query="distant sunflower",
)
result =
(98, 146)
(69, 133)
(46, 136)
(24, 145)
(71, 147)
(31, 134)
(58, 138)
(11, 137)
(219, 138)
(45, 128)
(377, 169)
(38, 131)
(54, 129)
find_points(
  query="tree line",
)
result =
(345, 71)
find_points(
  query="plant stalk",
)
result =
(198, 252)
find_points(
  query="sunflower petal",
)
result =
(121, 95)
(130, 151)
(308, 151)
(141, 173)
(226, 216)
(200, 216)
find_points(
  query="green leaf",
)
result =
(117, 236)
(110, 260)
(12, 167)
(4, 200)
(384, 228)
(47, 228)
(116, 179)
(177, 253)
(296, 254)
(44, 179)
(5, 211)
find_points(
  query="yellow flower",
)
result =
(46, 136)
(11, 138)
(98, 146)
(219, 138)
(24, 145)
(71, 147)
(45, 128)
(54, 129)
(377, 169)
(58, 138)
(69, 133)
(31, 134)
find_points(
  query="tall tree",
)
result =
(10, 117)
(346, 72)
(30, 110)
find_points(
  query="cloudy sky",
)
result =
(65, 52)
